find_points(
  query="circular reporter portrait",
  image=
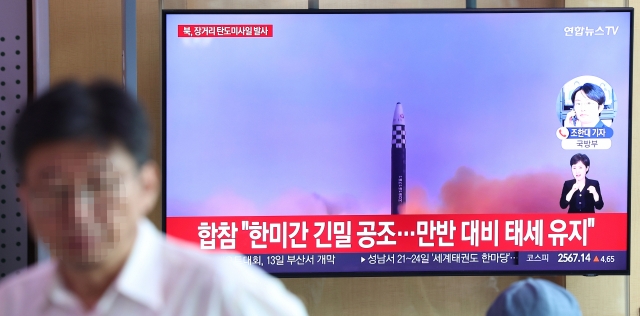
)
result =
(586, 101)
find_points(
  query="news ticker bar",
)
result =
(435, 262)
(404, 233)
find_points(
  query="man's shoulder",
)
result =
(27, 278)
(238, 287)
(601, 124)
(181, 256)
(25, 286)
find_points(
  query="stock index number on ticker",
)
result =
(584, 257)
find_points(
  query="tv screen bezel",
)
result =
(166, 12)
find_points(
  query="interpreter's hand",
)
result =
(575, 187)
(593, 191)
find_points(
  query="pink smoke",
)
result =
(467, 192)
(471, 193)
(292, 202)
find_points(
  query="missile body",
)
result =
(398, 161)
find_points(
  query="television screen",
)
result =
(412, 142)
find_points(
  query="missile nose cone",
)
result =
(398, 115)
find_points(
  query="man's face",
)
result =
(587, 110)
(84, 201)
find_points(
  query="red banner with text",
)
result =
(403, 233)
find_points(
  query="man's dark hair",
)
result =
(592, 92)
(580, 158)
(102, 112)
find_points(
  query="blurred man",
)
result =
(87, 184)
(535, 297)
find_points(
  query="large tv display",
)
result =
(411, 142)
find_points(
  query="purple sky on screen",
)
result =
(300, 123)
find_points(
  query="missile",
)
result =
(398, 161)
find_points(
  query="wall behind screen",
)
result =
(323, 296)
(14, 81)
(86, 42)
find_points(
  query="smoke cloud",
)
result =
(467, 192)
(471, 193)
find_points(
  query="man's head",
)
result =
(535, 297)
(83, 157)
(588, 101)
